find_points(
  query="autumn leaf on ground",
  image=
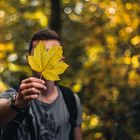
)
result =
(47, 62)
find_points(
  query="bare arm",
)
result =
(78, 133)
(29, 89)
(6, 113)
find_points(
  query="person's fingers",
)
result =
(25, 96)
(31, 85)
(32, 79)
(30, 91)
(30, 97)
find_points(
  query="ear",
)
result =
(34, 43)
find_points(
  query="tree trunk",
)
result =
(55, 20)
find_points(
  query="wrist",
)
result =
(15, 106)
(20, 103)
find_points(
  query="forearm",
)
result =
(29, 89)
(6, 113)
(78, 133)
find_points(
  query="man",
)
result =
(43, 100)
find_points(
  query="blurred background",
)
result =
(101, 40)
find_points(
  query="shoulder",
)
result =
(68, 93)
(67, 90)
(76, 97)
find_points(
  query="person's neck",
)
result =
(51, 88)
(50, 94)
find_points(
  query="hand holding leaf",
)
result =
(47, 62)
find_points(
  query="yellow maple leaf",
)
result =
(47, 62)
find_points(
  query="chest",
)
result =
(55, 114)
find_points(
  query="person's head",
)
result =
(49, 37)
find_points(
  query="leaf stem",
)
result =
(40, 76)
(40, 92)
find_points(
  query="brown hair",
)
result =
(45, 34)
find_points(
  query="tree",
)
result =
(101, 44)
(55, 18)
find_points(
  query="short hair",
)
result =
(44, 34)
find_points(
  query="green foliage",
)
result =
(101, 44)
(18, 21)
